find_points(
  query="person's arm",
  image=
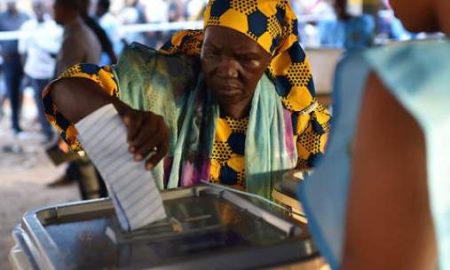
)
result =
(69, 99)
(75, 98)
(389, 224)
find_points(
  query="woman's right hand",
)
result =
(148, 135)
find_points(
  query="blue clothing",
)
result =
(11, 22)
(353, 34)
(12, 68)
(417, 75)
(359, 32)
(332, 33)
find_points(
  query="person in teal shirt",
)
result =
(379, 199)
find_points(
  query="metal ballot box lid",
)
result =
(215, 229)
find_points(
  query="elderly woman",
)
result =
(248, 112)
(386, 174)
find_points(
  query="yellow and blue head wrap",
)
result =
(273, 25)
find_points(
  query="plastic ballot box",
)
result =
(207, 228)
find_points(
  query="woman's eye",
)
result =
(249, 61)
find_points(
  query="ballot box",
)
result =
(207, 228)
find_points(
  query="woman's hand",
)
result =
(148, 136)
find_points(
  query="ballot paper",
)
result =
(133, 191)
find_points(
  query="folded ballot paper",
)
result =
(133, 191)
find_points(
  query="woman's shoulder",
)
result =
(139, 66)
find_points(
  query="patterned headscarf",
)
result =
(273, 25)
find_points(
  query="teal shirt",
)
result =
(417, 74)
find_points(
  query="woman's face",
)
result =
(232, 64)
(417, 15)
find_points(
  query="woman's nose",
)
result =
(230, 67)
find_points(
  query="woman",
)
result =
(389, 153)
(249, 113)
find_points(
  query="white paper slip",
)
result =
(135, 196)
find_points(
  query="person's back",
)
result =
(80, 44)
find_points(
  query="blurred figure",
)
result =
(177, 11)
(359, 31)
(80, 45)
(132, 13)
(39, 45)
(99, 32)
(156, 11)
(310, 32)
(11, 20)
(195, 9)
(111, 26)
(389, 27)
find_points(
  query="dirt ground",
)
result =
(25, 172)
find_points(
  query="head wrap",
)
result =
(273, 25)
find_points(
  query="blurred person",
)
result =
(359, 31)
(3, 95)
(111, 26)
(386, 175)
(102, 36)
(133, 13)
(195, 9)
(177, 11)
(389, 27)
(156, 11)
(79, 45)
(39, 45)
(310, 31)
(11, 20)
(351, 32)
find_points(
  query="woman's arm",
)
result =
(75, 98)
(389, 225)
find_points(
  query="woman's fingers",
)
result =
(162, 148)
(146, 143)
(145, 136)
(161, 152)
(133, 120)
(148, 136)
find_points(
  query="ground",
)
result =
(24, 176)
